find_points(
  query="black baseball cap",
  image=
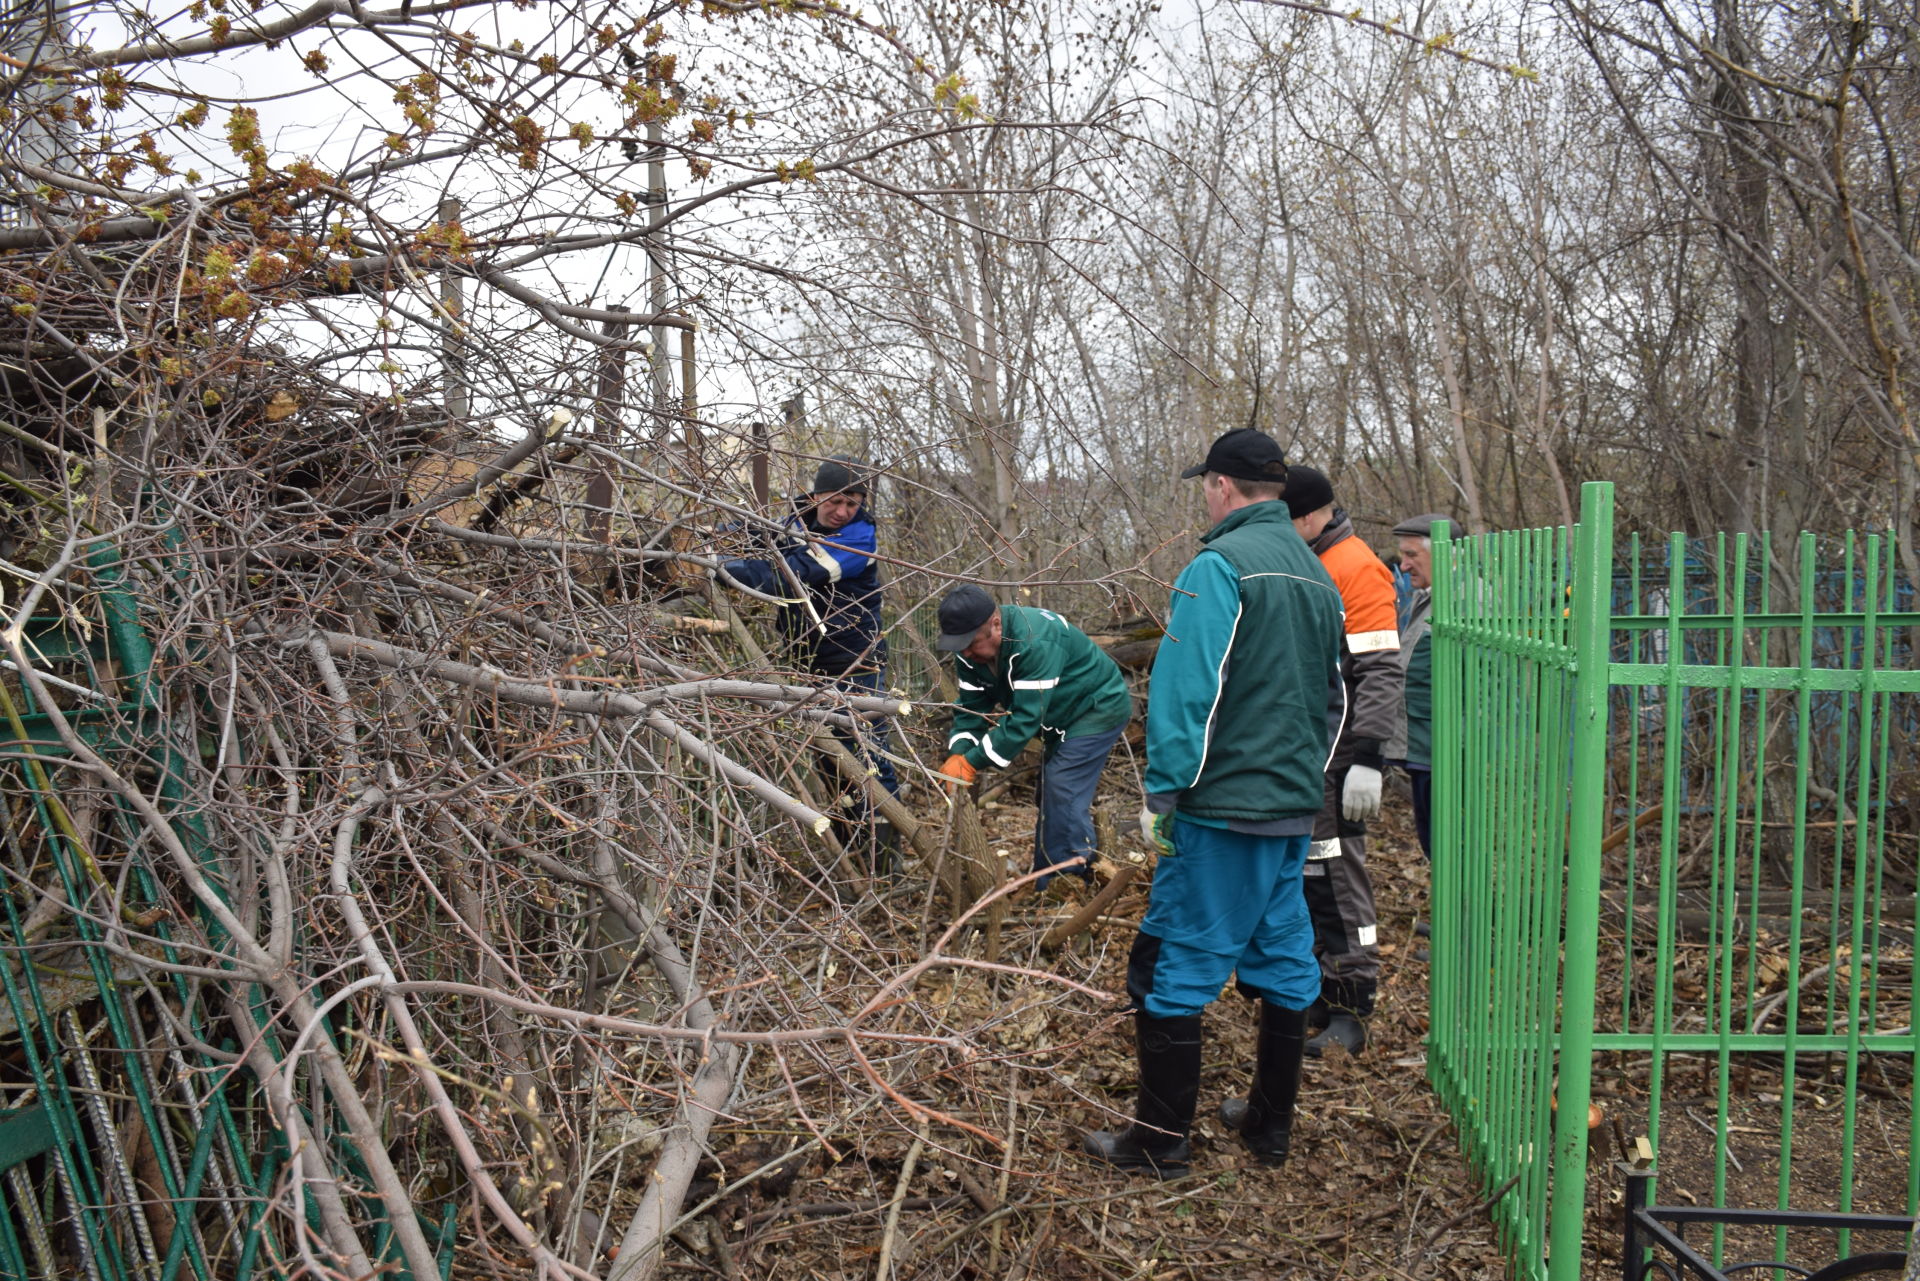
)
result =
(1245, 454)
(1308, 490)
(963, 611)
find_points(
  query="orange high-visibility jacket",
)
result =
(1371, 663)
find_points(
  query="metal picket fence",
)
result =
(1675, 814)
(130, 1150)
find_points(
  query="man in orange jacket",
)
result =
(1339, 892)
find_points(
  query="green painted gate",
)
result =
(1675, 814)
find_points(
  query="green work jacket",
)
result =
(1247, 699)
(1050, 681)
(1414, 742)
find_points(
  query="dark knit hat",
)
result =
(1308, 490)
(964, 611)
(840, 475)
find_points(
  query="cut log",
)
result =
(1133, 649)
(1091, 912)
(969, 870)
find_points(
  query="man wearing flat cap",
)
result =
(1339, 892)
(1025, 673)
(1412, 745)
(1245, 705)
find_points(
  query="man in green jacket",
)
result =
(1024, 673)
(1246, 703)
(1412, 746)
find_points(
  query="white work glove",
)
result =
(1360, 798)
(1157, 831)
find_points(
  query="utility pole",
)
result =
(793, 416)
(608, 394)
(658, 361)
(762, 469)
(453, 302)
(38, 139)
(689, 394)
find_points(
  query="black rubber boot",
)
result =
(1265, 1118)
(1156, 1142)
(1344, 1004)
(1343, 1030)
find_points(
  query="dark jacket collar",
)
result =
(1338, 530)
(1266, 511)
(1013, 634)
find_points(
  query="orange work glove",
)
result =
(958, 771)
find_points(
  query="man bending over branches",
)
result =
(1052, 682)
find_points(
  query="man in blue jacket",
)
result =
(828, 578)
(1245, 704)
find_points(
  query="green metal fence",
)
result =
(130, 1148)
(1675, 816)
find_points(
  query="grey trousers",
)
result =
(1340, 901)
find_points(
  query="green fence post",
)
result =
(1445, 1063)
(1592, 639)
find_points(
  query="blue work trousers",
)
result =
(1223, 903)
(1068, 780)
(1420, 781)
(870, 743)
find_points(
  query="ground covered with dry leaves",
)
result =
(1376, 1186)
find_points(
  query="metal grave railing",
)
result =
(1676, 806)
(131, 1149)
